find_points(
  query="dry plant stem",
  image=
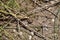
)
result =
(6, 6)
(17, 3)
(32, 30)
(2, 11)
(10, 12)
(25, 30)
(9, 28)
(46, 7)
(7, 24)
(12, 15)
(56, 25)
(8, 35)
(10, 7)
(18, 26)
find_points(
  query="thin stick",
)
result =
(47, 6)
(35, 33)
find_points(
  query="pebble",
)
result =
(32, 33)
(30, 37)
(52, 2)
(20, 33)
(15, 35)
(53, 20)
(46, 5)
(46, 29)
(50, 8)
(14, 30)
(55, 34)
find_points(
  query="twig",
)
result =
(32, 30)
(47, 6)
(18, 26)
(6, 24)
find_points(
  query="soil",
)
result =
(35, 20)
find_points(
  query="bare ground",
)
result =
(31, 20)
